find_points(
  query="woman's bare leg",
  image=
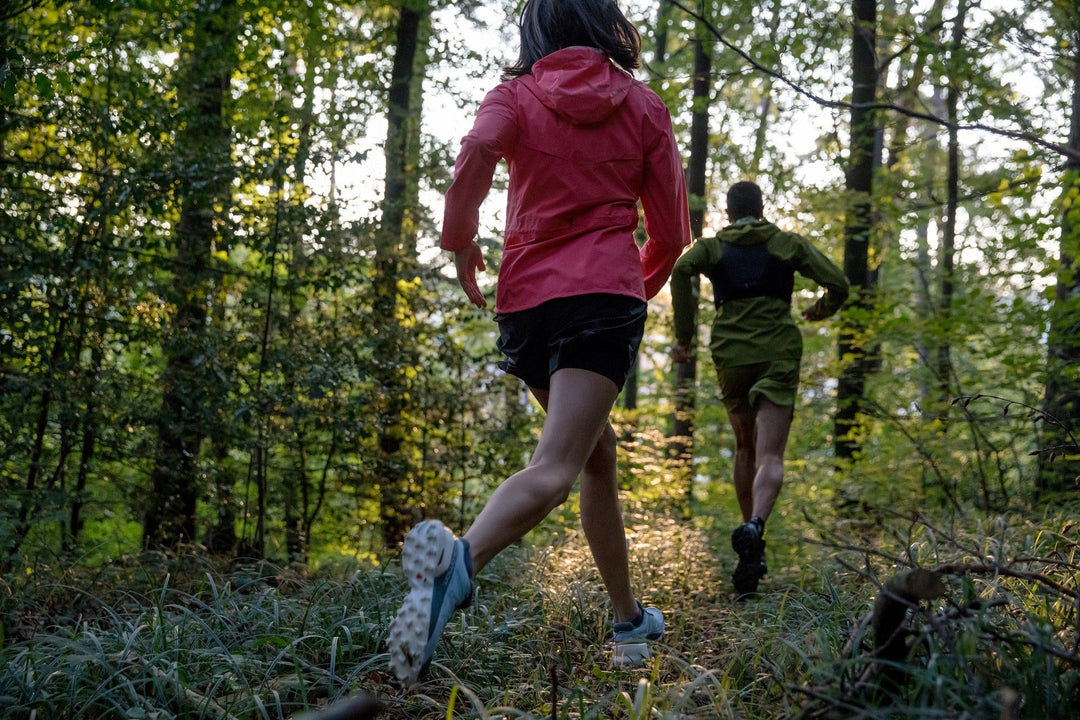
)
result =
(578, 405)
(601, 519)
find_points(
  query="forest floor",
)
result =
(995, 636)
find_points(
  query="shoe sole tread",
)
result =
(424, 557)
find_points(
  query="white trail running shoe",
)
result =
(439, 569)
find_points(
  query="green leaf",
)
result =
(44, 86)
(63, 80)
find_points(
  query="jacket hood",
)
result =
(580, 83)
(749, 232)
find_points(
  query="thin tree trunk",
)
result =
(854, 358)
(909, 93)
(258, 463)
(929, 162)
(765, 106)
(221, 537)
(312, 506)
(660, 33)
(929, 158)
(946, 262)
(681, 442)
(393, 260)
(204, 165)
(88, 445)
(67, 419)
(655, 69)
(296, 485)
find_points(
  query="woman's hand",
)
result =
(467, 261)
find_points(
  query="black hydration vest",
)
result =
(746, 271)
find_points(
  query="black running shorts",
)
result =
(599, 332)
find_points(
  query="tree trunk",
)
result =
(855, 361)
(933, 409)
(682, 426)
(660, 42)
(204, 182)
(765, 106)
(259, 460)
(295, 489)
(1059, 466)
(928, 162)
(220, 537)
(686, 374)
(88, 444)
(394, 260)
(946, 262)
(909, 94)
(296, 484)
(660, 33)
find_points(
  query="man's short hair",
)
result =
(744, 200)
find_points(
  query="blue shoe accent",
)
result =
(439, 569)
(632, 638)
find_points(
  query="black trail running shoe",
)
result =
(748, 544)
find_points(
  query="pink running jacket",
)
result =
(584, 141)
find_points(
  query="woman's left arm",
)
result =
(663, 197)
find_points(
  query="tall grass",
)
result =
(184, 638)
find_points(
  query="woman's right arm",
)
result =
(491, 138)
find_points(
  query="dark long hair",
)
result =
(550, 25)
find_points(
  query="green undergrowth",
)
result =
(184, 637)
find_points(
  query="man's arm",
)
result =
(684, 299)
(813, 264)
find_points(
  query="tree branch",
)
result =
(14, 8)
(961, 569)
(1057, 148)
